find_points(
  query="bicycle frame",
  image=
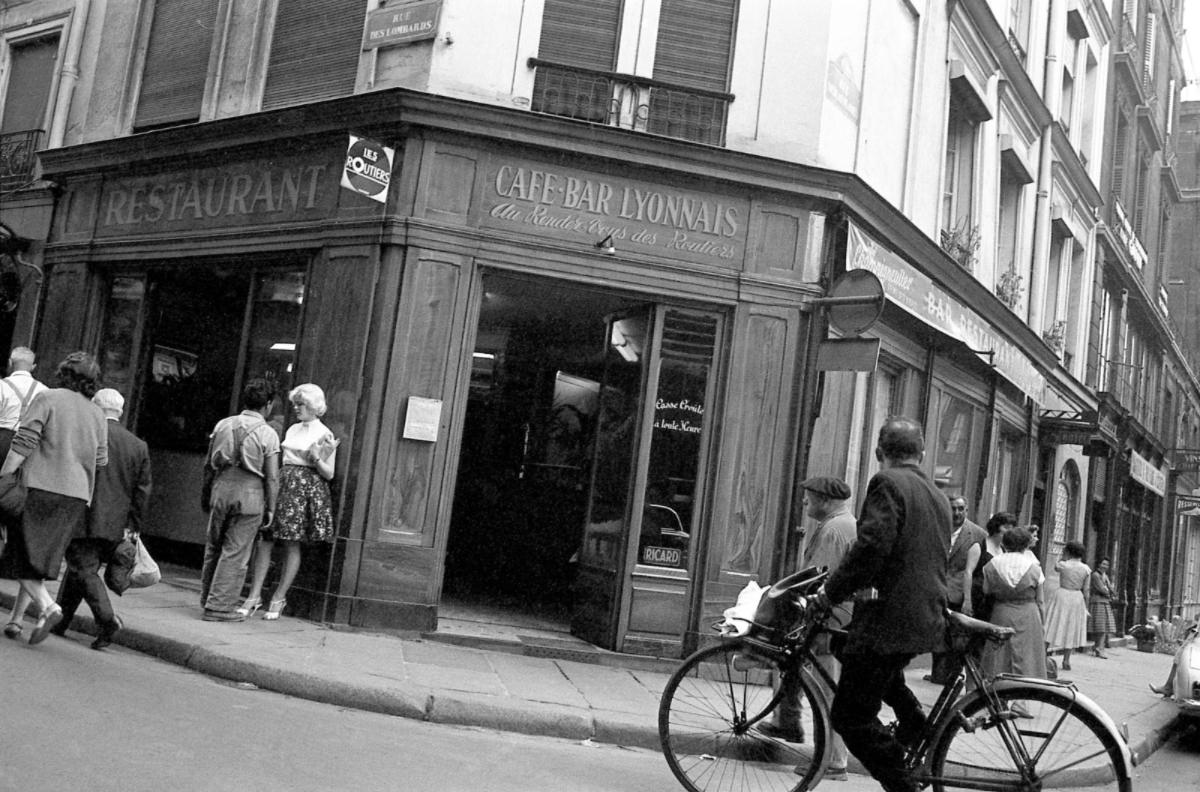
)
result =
(950, 704)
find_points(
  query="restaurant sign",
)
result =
(1144, 472)
(918, 295)
(277, 190)
(638, 216)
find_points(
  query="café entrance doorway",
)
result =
(581, 463)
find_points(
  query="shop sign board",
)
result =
(284, 189)
(662, 556)
(1145, 473)
(402, 23)
(640, 217)
(368, 168)
(1186, 460)
(918, 295)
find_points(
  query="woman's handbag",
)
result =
(12, 497)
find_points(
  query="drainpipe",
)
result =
(69, 74)
(1052, 95)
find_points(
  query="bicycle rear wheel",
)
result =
(1067, 746)
(708, 719)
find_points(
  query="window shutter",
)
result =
(1139, 201)
(314, 51)
(1148, 48)
(31, 71)
(581, 33)
(176, 62)
(1119, 156)
(695, 41)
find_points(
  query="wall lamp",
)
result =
(606, 246)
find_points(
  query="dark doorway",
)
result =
(525, 465)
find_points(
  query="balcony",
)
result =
(642, 104)
(18, 157)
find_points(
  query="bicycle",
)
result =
(1007, 734)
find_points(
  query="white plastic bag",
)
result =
(145, 570)
(740, 617)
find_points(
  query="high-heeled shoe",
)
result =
(12, 630)
(274, 609)
(249, 607)
(46, 622)
(1098, 653)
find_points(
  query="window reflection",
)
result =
(676, 436)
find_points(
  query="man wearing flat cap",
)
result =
(824, 546)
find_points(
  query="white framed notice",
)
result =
(422, 419)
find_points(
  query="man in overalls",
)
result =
(244, 451)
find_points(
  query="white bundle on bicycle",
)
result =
(740, 618)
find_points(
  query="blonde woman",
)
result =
(304, 513)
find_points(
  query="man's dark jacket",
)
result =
(902, 547)
(122, 486)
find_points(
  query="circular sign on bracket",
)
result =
(864, 302)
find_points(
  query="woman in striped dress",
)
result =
(1102, 623)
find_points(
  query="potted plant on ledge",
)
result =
(1009, 288)
(1055, 336)
(962, 243)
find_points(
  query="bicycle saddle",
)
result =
(965, 624)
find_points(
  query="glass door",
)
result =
(612, 495)
(633, 582)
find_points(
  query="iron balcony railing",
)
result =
(18, 156)
(630, 102)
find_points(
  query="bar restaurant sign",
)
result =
(402, 23)
(921, 297)
(640, 217)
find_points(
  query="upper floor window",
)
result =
(26, 99)
(315, 50)
(686, 95)
(958, 181)
(176, 65)
(1018, 27)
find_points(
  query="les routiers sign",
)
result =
(642, 217)
(278, 190)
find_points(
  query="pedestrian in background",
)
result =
(61, 443)
(16, 393)
(1067, 611)
(122, 492)
(1102, 623)
(901, 549)
(305, 513)
(244, 451)
(975, 602)
(1014, 581)
(21, 363)
(825, 546)
(960, 569)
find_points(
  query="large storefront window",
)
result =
(180, 343)
(952, 451)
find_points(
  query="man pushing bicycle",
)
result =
(901, 552)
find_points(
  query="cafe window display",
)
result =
(179, 344)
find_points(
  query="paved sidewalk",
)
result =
(615, 701)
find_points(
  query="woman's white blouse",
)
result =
(300, 437)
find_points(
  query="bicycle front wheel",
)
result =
(710, 716)
(1059, 742)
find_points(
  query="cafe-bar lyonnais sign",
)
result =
(641, 217)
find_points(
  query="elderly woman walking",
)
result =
(62, 440)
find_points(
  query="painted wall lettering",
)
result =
(647, 218)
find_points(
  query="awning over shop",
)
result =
(918, 295)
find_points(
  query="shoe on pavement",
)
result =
(106, 632)
(836, 774)
(795, 735)
(46, 622)
(223, 616)
(1163, 691)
